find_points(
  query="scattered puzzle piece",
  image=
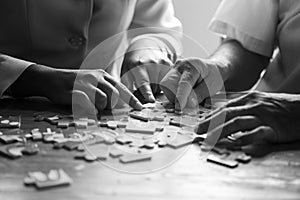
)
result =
(63, 124)
(70, 145)
(12, 151)
(52, 119)
(223, 161)
(8, 139)
(116, 153)
(149, 106)
(140, 116)
(30, 149)
(140, 127)
(181, 141)
(99, 151)
(53, 179)
(134, 158)
(36, 135)
(243, 158)
(112, 125)
(81, 124)
(10, 122)
(124, 139)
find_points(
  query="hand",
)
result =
(191, 81)
(254, 118)
(144, 68)
(85, 87)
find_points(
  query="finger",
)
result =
(96, 96)
(125, 94)
(192, 101)
(142, 82)
(241, 123)
(111, 92)
(237, 101)
(100, 98)
(127, 79)
(153, 70)
(224, 115)
(258, 135)
(198, 94)
(186, 83)
(82, 106)
(169, 84)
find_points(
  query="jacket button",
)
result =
(77, 41)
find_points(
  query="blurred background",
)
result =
(195, 16)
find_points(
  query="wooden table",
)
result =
(273, 176)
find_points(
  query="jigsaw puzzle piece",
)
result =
(140, 116)
(180, 141)
(10, 122)
(140, 127)
(222, 160)
(243, 158)
(135, 158)
(116, 153)
(53, 179)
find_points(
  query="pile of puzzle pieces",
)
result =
(130, 138)
(155, 127)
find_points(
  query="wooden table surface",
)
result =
(276, 175)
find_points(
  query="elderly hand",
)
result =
(144, 68)
(87, 88)
(191, 81)
(254, 118)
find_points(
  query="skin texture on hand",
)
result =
(255, 118)
(191, 81)
(231, 67)
(88, 88)
(143, 68)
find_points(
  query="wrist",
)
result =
(34, 81)
(222, 67)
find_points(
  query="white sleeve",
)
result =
(155, 20)
(251, 22)
(10, 69)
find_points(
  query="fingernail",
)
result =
(139, 106)
(192, 102)
(177, 105)
(135, 104)
(151, 98)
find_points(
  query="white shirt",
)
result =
(262, 26)
(61, 34)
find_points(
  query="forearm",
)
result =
(10, 69)
(32, 82)
(239, 67)
(291, 84)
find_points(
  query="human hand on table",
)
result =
(144, 68)
(191, 81)
(254, 118)
(88, 88)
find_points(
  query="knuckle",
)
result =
(116, 93)
(253, 95)
(101, 72)
(90, 77)
(165, 61)
(236, 121)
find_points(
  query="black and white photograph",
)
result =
(149, 99)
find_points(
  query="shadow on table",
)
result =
(36, 104)
(263, 149)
